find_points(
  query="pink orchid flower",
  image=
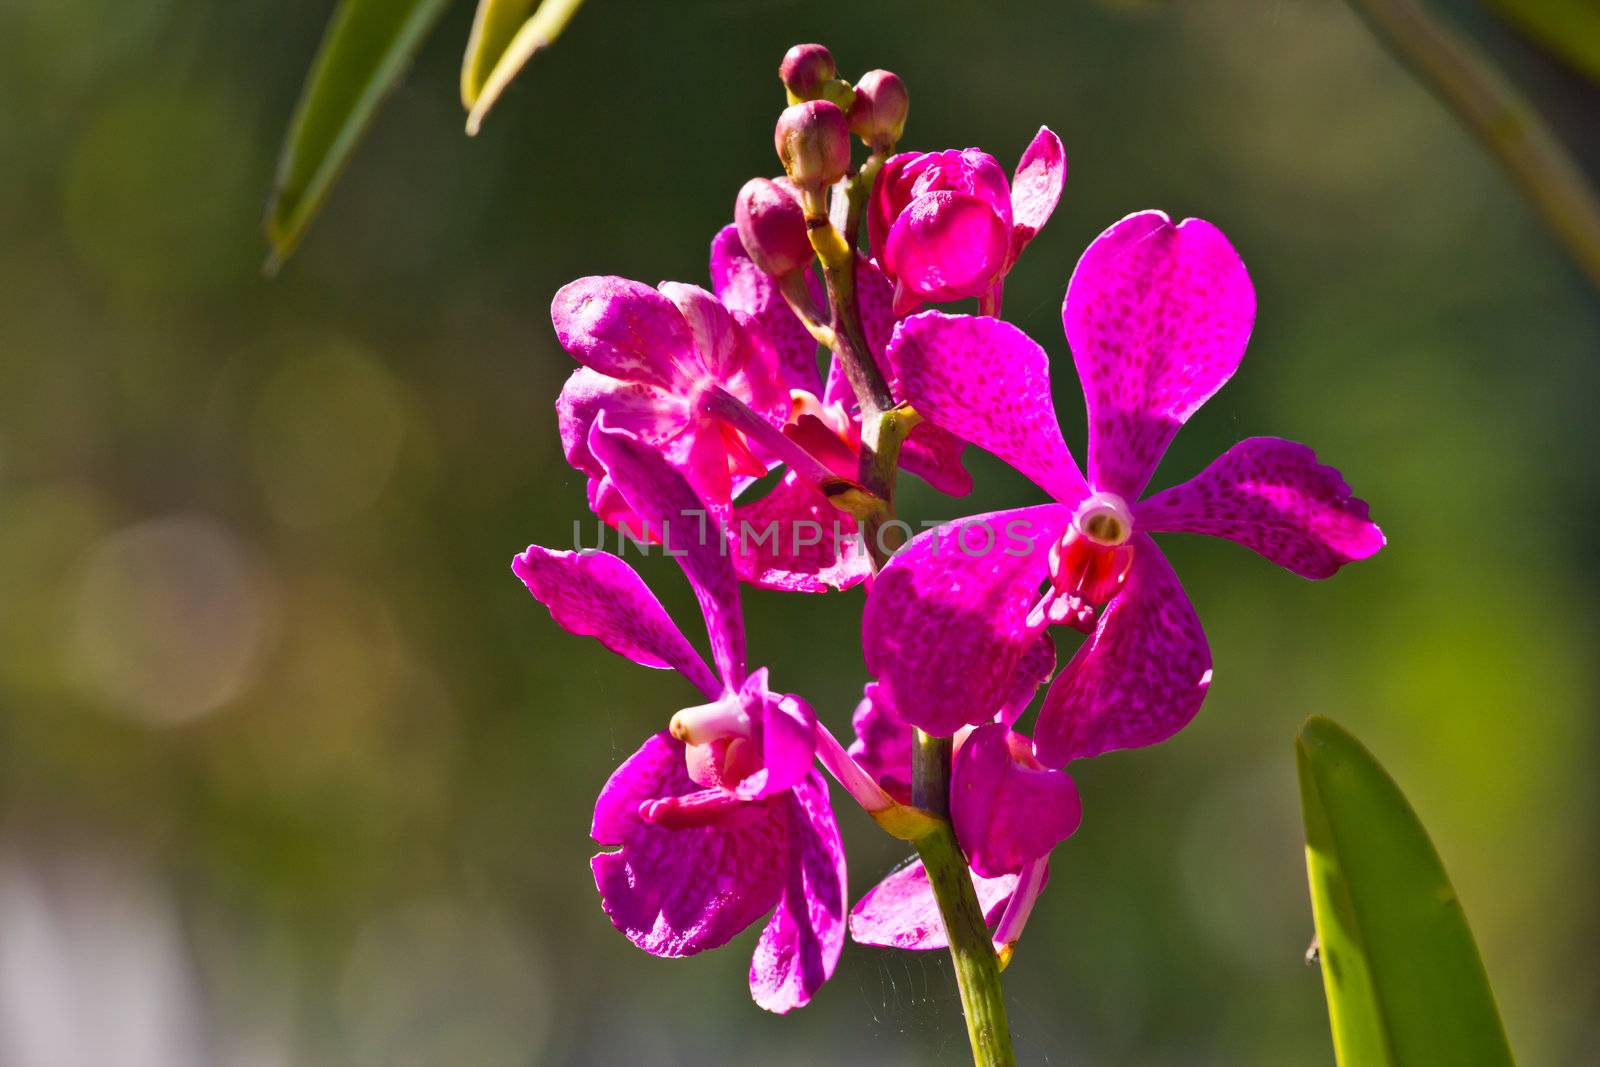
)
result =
(947, 225)
(721, 819)
(1008, 811)
(1157, 316)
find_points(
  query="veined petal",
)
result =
(1273, 497)
(744, 287)
(658, 493)
(1007, 809)
(1036, 187)
(1138, 679)
(1158, 316)
(624, 329)
(800, 946)
(901, 912)
(944, 623)
(794, 539)
(988, 383)
(883, 742)
(679, 892)
(596, 594)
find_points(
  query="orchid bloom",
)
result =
(721, 818)
(1157, 316)
(947, 225)
(1008, 811)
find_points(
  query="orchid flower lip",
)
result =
(705, 723)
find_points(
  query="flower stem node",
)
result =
(813, 141)
(878, 114)
(772, 227)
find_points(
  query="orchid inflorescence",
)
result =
(685, 399)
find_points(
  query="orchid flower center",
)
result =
(704, 723)
(1089, 564)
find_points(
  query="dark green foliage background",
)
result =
(370, 832)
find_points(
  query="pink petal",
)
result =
(1036, 187)
(794, 539)
(1273, 497)
(944, 622)
(1006, 808)
(718, 346)
(1034, 669)
(987, 382)
(595, 594)
(890, 193)
(658, 493)
(800, 946)
(1158, 317)
(933, 454)
(947, 246)
(883, 742)
(624, 329)
(744, 287)
(901, 912)
(679, 892)
(788, 735)
(1138, 679)
(654, 415)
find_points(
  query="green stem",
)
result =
(1498, 115)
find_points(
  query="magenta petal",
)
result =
(883, 742)
(944, 623)
(1006, 808)
(744, 287)
(654, 415)
(597, 595)
(901, 912)
(1034, 669)
(1138, 679)
(624, 329)
(947, 246)
(987, 382)
(678, 892)
(718, 345)
(800, 946)
(1036, 187)
(1158, 316)
(664, 499)
(788, 737)
(1273, 497)
(794, 539)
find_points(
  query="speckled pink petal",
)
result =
(988, 383)
(1034, 669)
(793, 539)
(1138, 679)
(901, 912)
(744, 287)
(883, 742)
(1006, 808)
(595, 594)
(658, 493)
(653, 415)
(679, 892)
(1158, 316)
(947, 246)
(944, 622)
(800, 946)
(1036, 187)
(1273, 497)
(624, 329)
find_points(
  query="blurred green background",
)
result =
(293, 771)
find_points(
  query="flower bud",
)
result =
(813, 141)
(805, 69)
(878, 115)
(772, 227)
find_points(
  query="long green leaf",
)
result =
(1569, 28)
(504, 37)
(364, 54)
(1404, 982)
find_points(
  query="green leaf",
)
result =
(1404, 982)
(364, 54)
(504, 37)
(1569, 28)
